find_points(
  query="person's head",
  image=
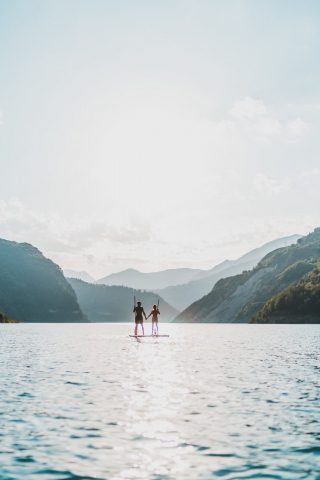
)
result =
(154, 307)
(139, 304)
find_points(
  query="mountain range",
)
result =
(150, 281)
(268, 293)
(103, 303)
(282, 287)
(180, 296)
(34, 289)
(182, 286)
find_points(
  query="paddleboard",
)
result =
(143, 336)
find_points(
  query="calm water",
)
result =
(212, 401)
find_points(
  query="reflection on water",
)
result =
(211, 401)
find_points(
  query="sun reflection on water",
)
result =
(208, 402)
(155, 398)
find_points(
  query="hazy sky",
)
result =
(158, 134)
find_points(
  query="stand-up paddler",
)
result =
(154, 313)
(139, 314)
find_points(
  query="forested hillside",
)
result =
(180, 296)
(299, 303)
(240, 298)
(33, 288)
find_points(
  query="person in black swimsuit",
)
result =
(139, 314)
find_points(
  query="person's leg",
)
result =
(136, 329)
(142, 328)
(157, 329)
(152, 327)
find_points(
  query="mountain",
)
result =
(241, 297)
(299, 303)
(149, 281)
(102, 303)
(81, 275)
(181, 296)
(33, 288)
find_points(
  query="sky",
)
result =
(158, 134)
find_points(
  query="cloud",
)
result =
(303, 182)
(57, 234)
(254, 117)
(296, 128)
(309, 107)
(248, 108)
(271, 186)
(201, 238)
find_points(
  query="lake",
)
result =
(212, 401)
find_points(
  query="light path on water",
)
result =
(211, 401)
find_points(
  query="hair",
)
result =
(154, 306)
(138, 303)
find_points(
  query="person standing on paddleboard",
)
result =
(139, 314)
(154, 312)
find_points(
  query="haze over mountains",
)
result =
(81, 275)
(34, 289)
(181, 296)
(283, 287)
(150, 281)
(182, 286)
(103, 303)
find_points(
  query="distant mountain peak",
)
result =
(104, 303)
(81, 275)
(150, 280)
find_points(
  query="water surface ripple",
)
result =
(212, 401)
